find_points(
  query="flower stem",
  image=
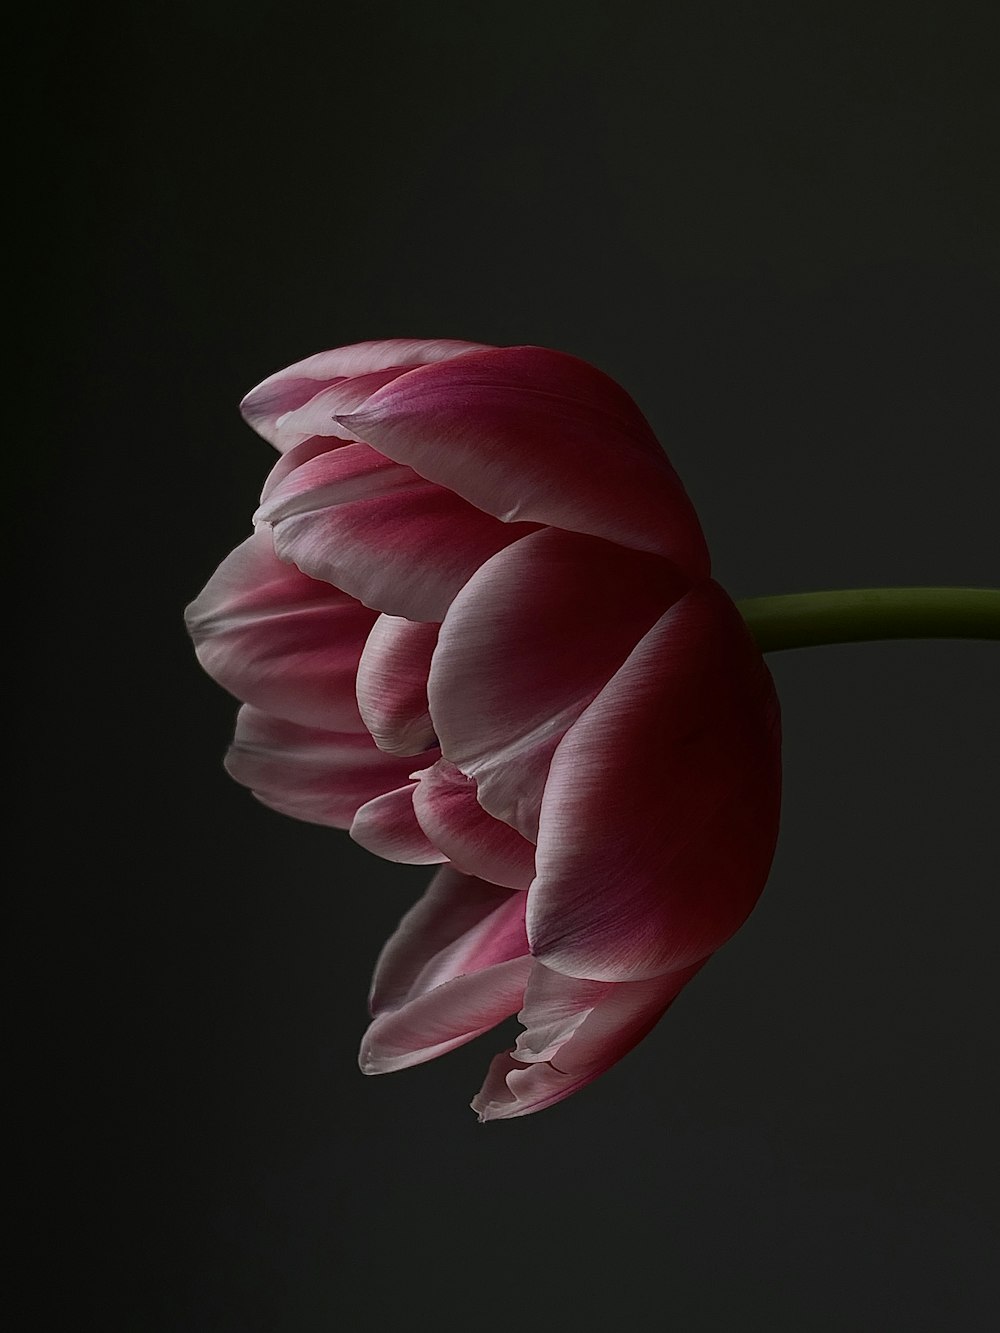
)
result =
(809, 619)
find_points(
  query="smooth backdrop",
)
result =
(776, 225)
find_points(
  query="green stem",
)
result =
(808, 619)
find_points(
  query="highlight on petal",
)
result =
(288, 644)
(377, 530)
(392, 684)
(269, 407)
(322, 777)
(575, 1030)
(388, 827)
(532, 435)
(530, 640)
(456, 966)
(660, 813)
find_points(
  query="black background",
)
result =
(776, 225)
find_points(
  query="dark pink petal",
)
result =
(392, 684)
(456, 966)
(531, 639)
(533, 435)
(445, 805)
(383, 534)
(459, 925)
(660, 813)
(388, 827)
(267, 407)
(575, 1030)
(288, 644)
(320, 776)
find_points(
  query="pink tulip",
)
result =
(475, 625)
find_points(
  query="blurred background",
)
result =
(777, 225)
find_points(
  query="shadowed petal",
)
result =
(288, 644)
(268, 406)
(660, 813)
(445, 804)
(388, 827)
(575, 1030)
(319, 776)
(380, 532)
(533, 435)
(530, 640)
(392, 684)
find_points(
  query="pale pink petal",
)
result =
(288, 644)
(575, 1030)
(290, 389)
(381, 533)
(319, 776)
(660, 813)
(533, 435)
(388, 827)
(444, 1018)
(460, 924)
(455, 967)
(530, 640)
(392, 684)
(445, 805)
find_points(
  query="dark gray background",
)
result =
(776, 225)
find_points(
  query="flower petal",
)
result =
(322, 777)
(533, 435)
(388, 827)
(290, 389)
(445, 805)
(383, 534)
(660, 813)
(456, 966)
(288, 644)
(460, 924)
(530, 640)
(444, 1018)
(575, 1030)
(392, 684)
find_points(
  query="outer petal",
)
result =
(534, 435)
(460, 924)
(392, 684)
(388, 827)
(267, 407)
(574, 1031)
(319, 776)
(456, 966)
(660, 814)
(287, 644)
(381, 533)
(445, 805)
(528, 643)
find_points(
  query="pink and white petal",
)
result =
(445, 804)
(660, 813)
(288, 390)
(460, 924)
(322, 777)
(533, 435)
(530, 640)
(392, 684)
(388, 827)
(384, 535)
(575, 1030)
(288, 644)
(448, 1016)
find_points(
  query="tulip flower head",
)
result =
(475, 625)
